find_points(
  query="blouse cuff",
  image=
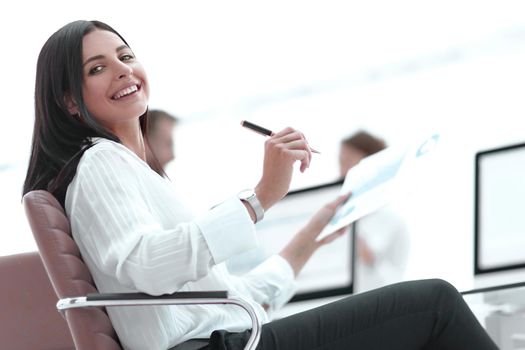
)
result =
(228, 230)
(279, 276)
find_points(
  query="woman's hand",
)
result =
(281, 151)
(305, 242)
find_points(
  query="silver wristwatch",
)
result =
(249, 197)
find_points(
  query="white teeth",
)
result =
(125, 92)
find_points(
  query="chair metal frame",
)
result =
(180, 298)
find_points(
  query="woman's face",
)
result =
(115, 88)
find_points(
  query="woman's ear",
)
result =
(71, 104)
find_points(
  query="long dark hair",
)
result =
(60, 139)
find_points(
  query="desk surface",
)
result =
(501, 310)
(495, 289)
(503, 298)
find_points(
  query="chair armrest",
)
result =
(177, 298)
(144, 296)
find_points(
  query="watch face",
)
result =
(245, 194)
(249, 197)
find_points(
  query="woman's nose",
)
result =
(124, 70)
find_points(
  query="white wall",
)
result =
(398, 69)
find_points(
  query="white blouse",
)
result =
(136, 236)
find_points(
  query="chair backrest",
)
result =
(90, 327)
(28, 314)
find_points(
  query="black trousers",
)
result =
(426, 314)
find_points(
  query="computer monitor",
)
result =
(330, 270)
(499, 227)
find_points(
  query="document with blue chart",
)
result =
(379, 179)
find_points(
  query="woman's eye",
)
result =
(95, 70)
(126, 57)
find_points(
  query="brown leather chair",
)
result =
(28, 315)
(80, 301)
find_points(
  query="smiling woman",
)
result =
(115, 85)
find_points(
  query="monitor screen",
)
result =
(330, 270)
(500, 210)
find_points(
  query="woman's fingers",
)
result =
(332, 209)
(282, 150)
(333, 236)
(289, 135)
(285, 131)
(303, 156)
(295, 142)
(340, 200)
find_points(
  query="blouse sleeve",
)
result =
(272, 282)
(112, 223)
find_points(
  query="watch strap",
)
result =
(250, 197)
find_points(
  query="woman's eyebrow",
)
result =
(93, 58)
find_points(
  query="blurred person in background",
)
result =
(382, 237)
(160, 130)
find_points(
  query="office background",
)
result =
(398, 69)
